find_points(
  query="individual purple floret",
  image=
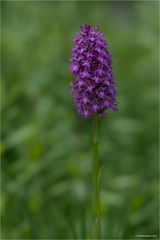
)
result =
(91, 63)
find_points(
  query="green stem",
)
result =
(96, 174)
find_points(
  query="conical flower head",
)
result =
(91, 64)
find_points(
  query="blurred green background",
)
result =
(47, 149)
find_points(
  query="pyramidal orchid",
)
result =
(91, 64)
(94, 93)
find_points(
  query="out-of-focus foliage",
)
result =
(47, 149)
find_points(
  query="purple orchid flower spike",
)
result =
(91, 64)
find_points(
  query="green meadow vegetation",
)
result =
(46, 147)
